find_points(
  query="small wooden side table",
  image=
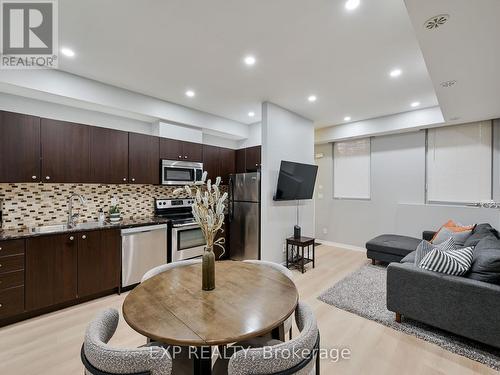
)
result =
(297, 258)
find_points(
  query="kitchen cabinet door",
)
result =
(211, 161)
(19, 147)
(98, 261)
(171, 149)
(65, 151)
(108, 156)
(144, 159)
(240, 162)
(192, 151)
(226, 164)
(51, 270)
(253, 158)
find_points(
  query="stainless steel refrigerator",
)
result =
(244, 216)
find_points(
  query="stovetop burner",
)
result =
(177, 210)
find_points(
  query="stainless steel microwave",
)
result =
(175, 172)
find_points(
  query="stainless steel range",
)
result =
(185, 238)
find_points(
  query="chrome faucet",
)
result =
(71, 216)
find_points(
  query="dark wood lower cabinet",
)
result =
(98, 261)
(11, 301)
(51, 270)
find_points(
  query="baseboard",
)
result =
(341, 245)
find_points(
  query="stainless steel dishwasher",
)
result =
(143, 248)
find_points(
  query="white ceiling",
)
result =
(466, 49)
(161, 48)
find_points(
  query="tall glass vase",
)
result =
(208, 269)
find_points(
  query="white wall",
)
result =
(397, 203)
(254, 136)
(285, 136)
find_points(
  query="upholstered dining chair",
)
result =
(165, 267)
(99, 358)
(285, 271)
(278, 357)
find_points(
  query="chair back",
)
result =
(285, 271)
(165, 267)
(99, 358)
(297, 356)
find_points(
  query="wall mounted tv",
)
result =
(295, 181)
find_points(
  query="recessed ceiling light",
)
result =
(347, 118)
(251, 114)
(395, 73)
(190, 93)
(312, 98)
(415, 104)
(351, 4)
(67, 52)
(249, 60)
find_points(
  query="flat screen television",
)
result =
(295, 181)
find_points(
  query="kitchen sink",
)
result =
(63, 227)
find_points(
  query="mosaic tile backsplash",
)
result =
(31, 204)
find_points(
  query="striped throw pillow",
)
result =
(425, 247)
(452, 262)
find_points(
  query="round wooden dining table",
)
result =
(249, 300)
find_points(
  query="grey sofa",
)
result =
(467, 306)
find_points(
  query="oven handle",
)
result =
(185, 226)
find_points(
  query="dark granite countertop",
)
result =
(11, 234)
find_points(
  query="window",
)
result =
(459, 163)
(351, 169)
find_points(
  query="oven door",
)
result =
(187, 242)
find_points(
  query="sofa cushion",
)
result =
(486, 261)
(410, 258)
(393, 244)
(480, 231)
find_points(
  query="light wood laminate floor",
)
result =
(50, 344)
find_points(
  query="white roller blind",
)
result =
(459, 163)
(351, 169)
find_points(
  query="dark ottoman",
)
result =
(390, 247)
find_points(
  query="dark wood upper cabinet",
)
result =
(98, 261)
(19, 147)
(108, 156)
(240, 161)
(227, 164)
(51, 270)
(211, 156)
(170, 149)
(65, 150)
(143, 159)
(192, 151)
(253, 158)
(173, 149)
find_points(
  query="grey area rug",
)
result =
(364, 293)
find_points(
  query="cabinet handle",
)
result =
(180, 156)
(1, 305)
(133, 179)
(71, 238)
(84, 237)
(47, 177)
(185, 157)
(33, 177)
(0, 249)
(125, 180)
(0, 265)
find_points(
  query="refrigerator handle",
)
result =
(231, 198)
